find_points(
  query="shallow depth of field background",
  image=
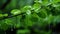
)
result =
(30, 17)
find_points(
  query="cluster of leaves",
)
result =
(41, 13)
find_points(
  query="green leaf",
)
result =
(23, 31)
(1, 15)
(15, 12)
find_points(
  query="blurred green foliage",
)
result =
(35, 12)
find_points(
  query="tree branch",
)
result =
(10, 16)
